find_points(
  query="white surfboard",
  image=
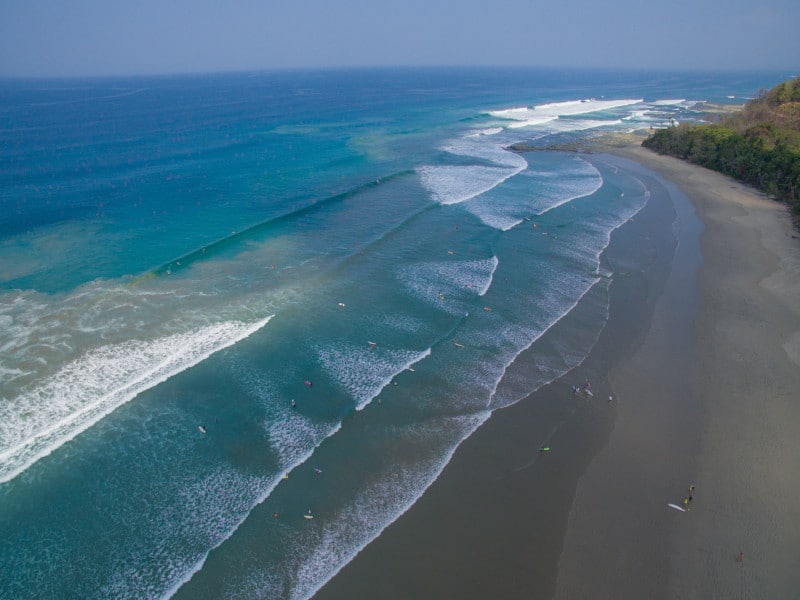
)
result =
(676, 507)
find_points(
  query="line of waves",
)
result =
(543, 113)
(261, 230)
(87, 389)
(364, 372)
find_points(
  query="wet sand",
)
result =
(696, 355)
(712, 401)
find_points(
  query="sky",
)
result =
(42, 38)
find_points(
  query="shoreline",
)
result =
(592, 519)
(488, 527)
(723, 420)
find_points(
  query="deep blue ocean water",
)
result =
(337, 275)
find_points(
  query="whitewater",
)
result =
(280, 302)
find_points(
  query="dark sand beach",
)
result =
(701, 355)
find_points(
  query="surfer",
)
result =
(294, 404)
(317, 471)
(201, 429)
(308, 382)
(740, 558)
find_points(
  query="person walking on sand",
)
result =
(740, 558)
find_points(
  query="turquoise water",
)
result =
(188, 252)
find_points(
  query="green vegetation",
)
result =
(759, 145)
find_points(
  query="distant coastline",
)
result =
(759, 145)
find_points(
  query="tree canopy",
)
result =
(759, 145)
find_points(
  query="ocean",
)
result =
(246, 319)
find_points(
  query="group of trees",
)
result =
(759, 145)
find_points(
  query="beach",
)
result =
(329, 338)
(700, 360)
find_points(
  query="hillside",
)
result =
(759, 145)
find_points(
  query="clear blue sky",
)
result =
(108, 37)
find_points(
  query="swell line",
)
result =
(52, 436)
(263, 228)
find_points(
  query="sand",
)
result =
(701, 356)
(711, 401)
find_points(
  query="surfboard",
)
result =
(308, 516)
(676, 507)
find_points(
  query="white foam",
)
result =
(288, 451)
(83, 391)
(581, 179)
(638, 115)
(544, 113)
(363, 371)
(488, 131)
(566, 125)
(669, 102)
(533, 339)
(377, 506)
(452, 184)
(432, 280)
(455, 184)
(489, 279)
(550, 189)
